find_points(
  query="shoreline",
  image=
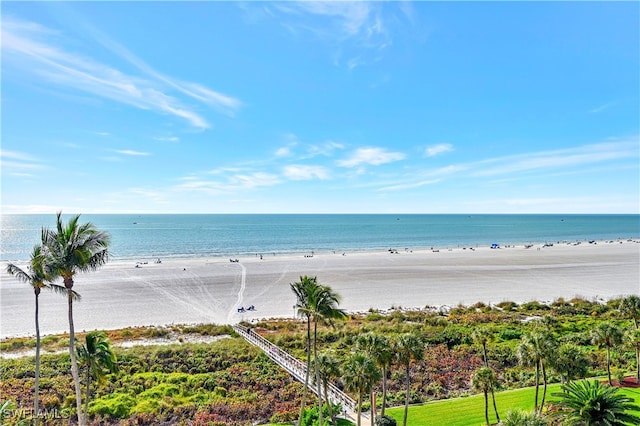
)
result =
(196, 290)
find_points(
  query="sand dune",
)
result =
(200, 290)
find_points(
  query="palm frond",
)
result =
(62, 290)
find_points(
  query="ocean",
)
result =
(136, 236)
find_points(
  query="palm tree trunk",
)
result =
(484, 352)
(72, 354)
(326, 396)
(373, 406)
(609, 365)
(36, 411)
(537, 384)
(359, 410)
(495, 407)
(384, 389)
(544, 389)
(637, 364)
(486, 407)
(306, 376)
(317, 371)
(406, 399)
(86, 395)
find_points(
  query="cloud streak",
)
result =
(303, 172)
(358, 29)
(132, 152)
(371, 156)
(555, 159)
(30, 48)
(19, 162)
(434, 150)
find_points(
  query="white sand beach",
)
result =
(204, 290)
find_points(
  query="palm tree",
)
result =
(607, 335)
(632, 337)
(329, 369)
(98, 359)
(482, 336)
(537, 349)
(484, 380)
(70, 249)
(303, 290)
(630, 308)
(378, 348)
(316, 303)
(35, 276)
(359, 375)
(590, 403)
(570, 362)
(408, 347)
(324, 308)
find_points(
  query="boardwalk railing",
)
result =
(294, 366)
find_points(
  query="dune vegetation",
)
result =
(199, 380)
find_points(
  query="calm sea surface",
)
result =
(171, 235)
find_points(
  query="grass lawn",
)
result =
(469, 411)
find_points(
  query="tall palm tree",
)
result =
(482, 336)
(408, 347)
(630, 308)
(359, 375)
(570, 362)
(36, 277)
(70, 249)
(537, 349)
(329, 369)
(98, 359)
(484, 379)
(378, 348)
(589, 403)
(303, 291)
(607, 335)
(316, 303)
(632, 337)
(324, 308)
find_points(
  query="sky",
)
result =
(320, 107)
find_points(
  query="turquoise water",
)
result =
(169, 235)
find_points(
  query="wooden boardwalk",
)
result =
(296, 368)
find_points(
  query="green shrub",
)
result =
(507, 306)
(386, 421)
(115, 405)
(509, 334)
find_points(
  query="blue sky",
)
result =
(320, 107)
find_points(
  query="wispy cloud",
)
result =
(167, 139)
(555, 159)
(359, 30)
(18, 162)
(304, 172)
(32, 48)
(552, 163)
(401, 187)
(131, 152)
(325, 149)
(371, 156)
(229, 184)
(602, 108)
(434, 150)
